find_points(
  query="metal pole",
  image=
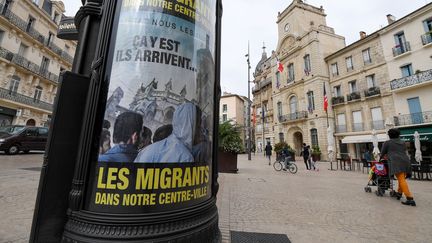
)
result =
(249, 108)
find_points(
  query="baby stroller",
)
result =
(379, 176)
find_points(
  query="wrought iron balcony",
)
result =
(401, 48)
(353, 96)
(338, 100)
(426, 38)
(372, 91)
(16, 97)
(24, 63)
(418, 78)
(21, 24)
(358, 127)
(377, 125)
(24, 26)
(413, 118)
(341, 128)
(6, 54)
(300, 115)
(53, 47)
(67, 57)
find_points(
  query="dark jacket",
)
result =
(396, 153)
(268, 149)
(305, 152)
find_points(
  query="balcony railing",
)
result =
(426, 38)
(26, 64)
(338, 100)
(377, 125)
(23, 25)
(13, 96)
(421, 77)
(353, 96)
(372, 91)
(293, 116)
(341, 128)
(413, 118)
(401, 48)
(358, 127)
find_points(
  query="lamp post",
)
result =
(248, 111)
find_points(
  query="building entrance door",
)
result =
(298, 142)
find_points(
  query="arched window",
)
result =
(293, 104)
(14, 84)
(314, 136)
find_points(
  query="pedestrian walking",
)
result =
(310, 160)
(305, 153)
(268, 151)
(399, 164)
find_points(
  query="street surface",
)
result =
(324, 206)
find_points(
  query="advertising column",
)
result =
(155, 147)
(152, 177)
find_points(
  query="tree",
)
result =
(229, 138)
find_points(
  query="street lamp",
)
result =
(249, 107)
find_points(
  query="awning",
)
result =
(407, 134)
(363, 138)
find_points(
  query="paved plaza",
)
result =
(324, 206)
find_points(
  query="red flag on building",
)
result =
(325, 99)
(280, 67)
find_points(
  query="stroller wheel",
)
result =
(369, 189)
(366, 189)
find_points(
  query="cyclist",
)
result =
(286, 156)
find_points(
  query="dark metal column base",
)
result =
(196, 224)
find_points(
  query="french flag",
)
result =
(280, 67)
(325, 99)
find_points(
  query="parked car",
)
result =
(15, 138)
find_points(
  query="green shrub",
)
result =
(281, 145)
(316, 150)
(229, 138)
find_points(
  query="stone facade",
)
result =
(262, 105)
(31, 59)
(361, 97)
(296, 93)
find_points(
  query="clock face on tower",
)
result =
(287, 27)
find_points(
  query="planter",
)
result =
(227, 162)
(316, 157)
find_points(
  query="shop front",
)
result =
(425, 132)
(6, 116)
(355, 146)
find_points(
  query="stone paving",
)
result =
(324, 206)
(19, 179)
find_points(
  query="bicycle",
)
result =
(279, 164)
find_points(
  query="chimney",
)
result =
(362, 35)
(390, 18)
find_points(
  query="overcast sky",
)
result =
(255, 21)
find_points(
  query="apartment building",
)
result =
(408, 54)
(233, 108)
(31, 59)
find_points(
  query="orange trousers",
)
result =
(403, 185)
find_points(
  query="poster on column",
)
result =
(155, 149)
